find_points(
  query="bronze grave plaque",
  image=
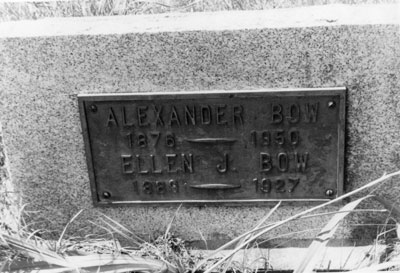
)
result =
(214, 146)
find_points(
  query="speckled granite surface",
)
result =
(8, 201)
(40, 78)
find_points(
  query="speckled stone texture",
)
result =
(40, 77)
(9, 216)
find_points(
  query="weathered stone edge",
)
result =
(326, 15)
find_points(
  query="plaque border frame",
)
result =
(209, 94)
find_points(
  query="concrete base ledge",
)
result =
(332, 258)
(327, 15)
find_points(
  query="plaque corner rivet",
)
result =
(329, 192)
(106, 194)
(93, 108)
(331, 104)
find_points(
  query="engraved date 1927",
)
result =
(278, 185)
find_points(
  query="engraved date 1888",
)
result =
(156, 187)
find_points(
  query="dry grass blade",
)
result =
(58, 244)
(34, 266)
(297, 216)
(319, 243)
(172, 220)
(120, 269)
(259, 224)
(378, 267)
(97, 260)
(3, 267)
(113, 230)
(262, 221)
(244, 235)
(393, 210)
(391, 207)
(203, 238)
(122, 230)
(32, 234)
(228, 244)
(233, 241)
(40, 270)
(282, 235)
(35, 251)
